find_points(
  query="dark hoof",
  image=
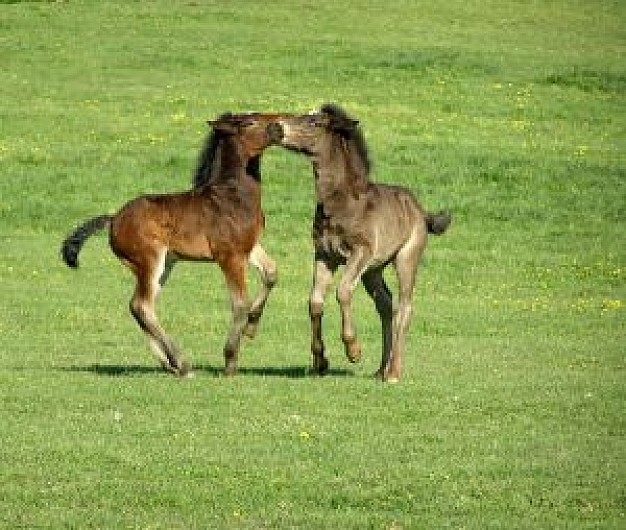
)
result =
(184, 370)
(320, 366)
(230, 371)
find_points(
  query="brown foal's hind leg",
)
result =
(149, 275)
(168, 265)
(322, 279)
(355, 267)
(267, 272)
(375, 285)
(235, 272)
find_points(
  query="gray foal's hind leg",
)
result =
(375, 285)
(405, 264)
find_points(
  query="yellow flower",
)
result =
(611, 305)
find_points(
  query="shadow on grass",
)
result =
(290, 372)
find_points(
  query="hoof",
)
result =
(251, 329)
(320, 366)
(353, 352)
(391, 378)
(380, 375)
(252, 325)
(184, 370)
(230, 371)
(166, 366)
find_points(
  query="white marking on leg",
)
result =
(158, 352)
(158, 272)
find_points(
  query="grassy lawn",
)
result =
(510, 413)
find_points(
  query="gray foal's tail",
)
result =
(438, 223)
(75, 241)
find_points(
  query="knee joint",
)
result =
(316, 308)
(271, 276)
(343, 294)
(138, 313)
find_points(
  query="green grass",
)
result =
(510, 411)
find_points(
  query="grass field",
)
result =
(510, 413)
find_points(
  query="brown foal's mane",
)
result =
(206, 166)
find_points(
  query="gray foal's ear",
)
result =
(345, 126)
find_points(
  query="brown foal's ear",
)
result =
(231, 123)
(225, 125)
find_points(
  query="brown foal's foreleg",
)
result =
(322, 279)
(375, 285)
(267, 271)
(149, 276)
(234, 270)
(355, 267)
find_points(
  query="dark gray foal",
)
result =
(362, 225)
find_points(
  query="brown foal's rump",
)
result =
(219, 220)
(362, 225)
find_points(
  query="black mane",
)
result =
(356, 136)
(206, 167)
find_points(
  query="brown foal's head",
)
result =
(253, 131)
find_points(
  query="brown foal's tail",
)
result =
(75, 241)
(438, 223)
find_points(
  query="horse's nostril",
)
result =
(275, 132)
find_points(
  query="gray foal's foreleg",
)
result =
(322, 279)
(355, 267)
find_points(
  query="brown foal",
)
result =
(362, 225)
(219, 220)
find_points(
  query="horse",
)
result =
(363, 226)
(219, 220)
